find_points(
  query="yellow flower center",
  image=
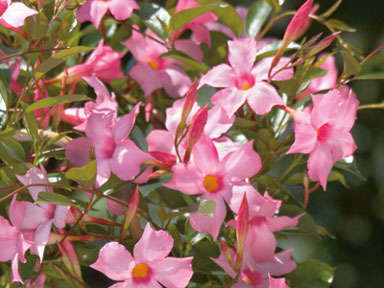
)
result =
(246, 86)
(211, 183)
(153, 63)
(140, 271)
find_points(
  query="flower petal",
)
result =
(242, 54)
(148, 79)
(174, 272)
(221, 76)
(320, 164)
(77, 151)
(92, 11)
(262, 97)
(16, 13)
(125, 124)
(114, 261)
(230, 99)
(121, 10)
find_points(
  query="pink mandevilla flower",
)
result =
(105, 103)
(213, 177)
(94, 10)
(149, 265)
(243, 81)
(323, 131)
(103, 63)
(152, 72)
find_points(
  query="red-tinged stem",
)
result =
(372, 53)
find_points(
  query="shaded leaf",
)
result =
(85, 174)
(52, 101)
(351, 65)
(339, 25)
(258, 12)
(55, 199)
(182, 57)
(373, 68)
(37, 26)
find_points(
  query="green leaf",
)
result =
(224, 11)
(339, 25)
(154, 17)
(59, 58)
(373, 68)
(312, 273)
(257, 14)
(275, 4)
(245, 123)
(52, 101)
(37, 26)
(3, 102)
(351, 65)
(337, 176)
(182, 57)
(85, 174)
(29, 121)
(11, 150)
(55, 199)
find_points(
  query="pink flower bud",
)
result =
(324, 43)
(242, 229)
(131, 210)
(195, 130)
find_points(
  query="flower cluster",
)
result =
(200, 153)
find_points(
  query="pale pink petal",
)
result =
(74, 116)
(320, 164)
(153, 245)
(185, 179)
(160, 140)
(242, 163)
(173, 272)
(114, 261)
(99, 132)
(254, 198)
(15, 276)
(148, 79)
(242, 54)
(126, 160)
(205, 155)
(101, 91)
(35, 176)
(207, 224)
(260, 71)
(60, 216)
(280, 223)
(260, 240)
(8, 240)
(174, 115)
(190, 48)
(41, 238)
(269, 206)
(347, 143)
(223, 263)
(348, 105)
(121, 10)
(277, 282)
(201, 34)
(114, 208)
(218, 122)
(77, 151)
(125, 124)
(281, 265)
(221, 76)
(16, 13)
(175, 81)
(92, 11)
(326, 107)
(230, 99)
(305, 139)
(103, 171)
(26, 215)
(262, 97)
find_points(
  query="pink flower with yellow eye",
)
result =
(243, 81)
(213, 177)
(149, 267)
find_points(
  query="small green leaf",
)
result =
(37, 26)
(154, 17)
(85, 174)
(339, 25)
(245, 123)
(257, 14)
(275, 4)
(182, 57)
(52, 101)
(55, 199)
(337, 176)
(373, 68)
(11, 150)
(29, 121)
(351, 65)
(311, 273)
(59, 58)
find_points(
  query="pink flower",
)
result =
(242, 81)
(36, 282)
(38, 218)
(12, 15)
(114, 152)
(200, 31)
(328, 81)
(212, 177)
(94, 10)
(105, 103)
(103, 63)
(149, 265)
(13, 246)
(152, 72)
(14, 68)
(323, 131)
(42, 115)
